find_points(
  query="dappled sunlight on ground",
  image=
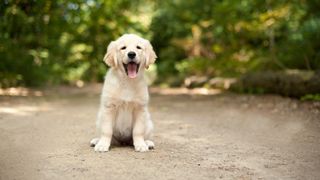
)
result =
(95, 88)
(177, 91)
(22, 110)
(20, 91)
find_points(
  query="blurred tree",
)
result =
(234, 37)
(48, 42)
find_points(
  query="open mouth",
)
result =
(132, 69)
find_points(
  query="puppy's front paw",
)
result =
(141, 147)
(102, 145)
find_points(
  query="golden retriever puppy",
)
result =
(123, 116)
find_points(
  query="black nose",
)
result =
(131, 55)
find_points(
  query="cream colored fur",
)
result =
(123, 116)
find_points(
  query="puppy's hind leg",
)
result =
(94, 141)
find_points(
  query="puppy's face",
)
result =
(130, 53)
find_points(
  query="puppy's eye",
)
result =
(138, 47)
(123, 48)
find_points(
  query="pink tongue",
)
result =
(132, 70)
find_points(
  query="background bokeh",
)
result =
(264, 44)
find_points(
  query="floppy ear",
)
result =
(110, 58)
(150, 54)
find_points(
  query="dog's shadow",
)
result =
(116, 143)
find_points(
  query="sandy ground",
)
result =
(45, 135)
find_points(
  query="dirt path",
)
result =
(223, 136)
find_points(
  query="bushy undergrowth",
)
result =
(287, 83)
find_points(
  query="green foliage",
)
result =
(242, 36)
(289, 83)
(50, 42)
(312, 97)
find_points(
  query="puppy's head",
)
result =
(130, 53)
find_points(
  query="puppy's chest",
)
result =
(128, 94)
(133, 95)
(124, 121)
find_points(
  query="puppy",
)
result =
(123, 117)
